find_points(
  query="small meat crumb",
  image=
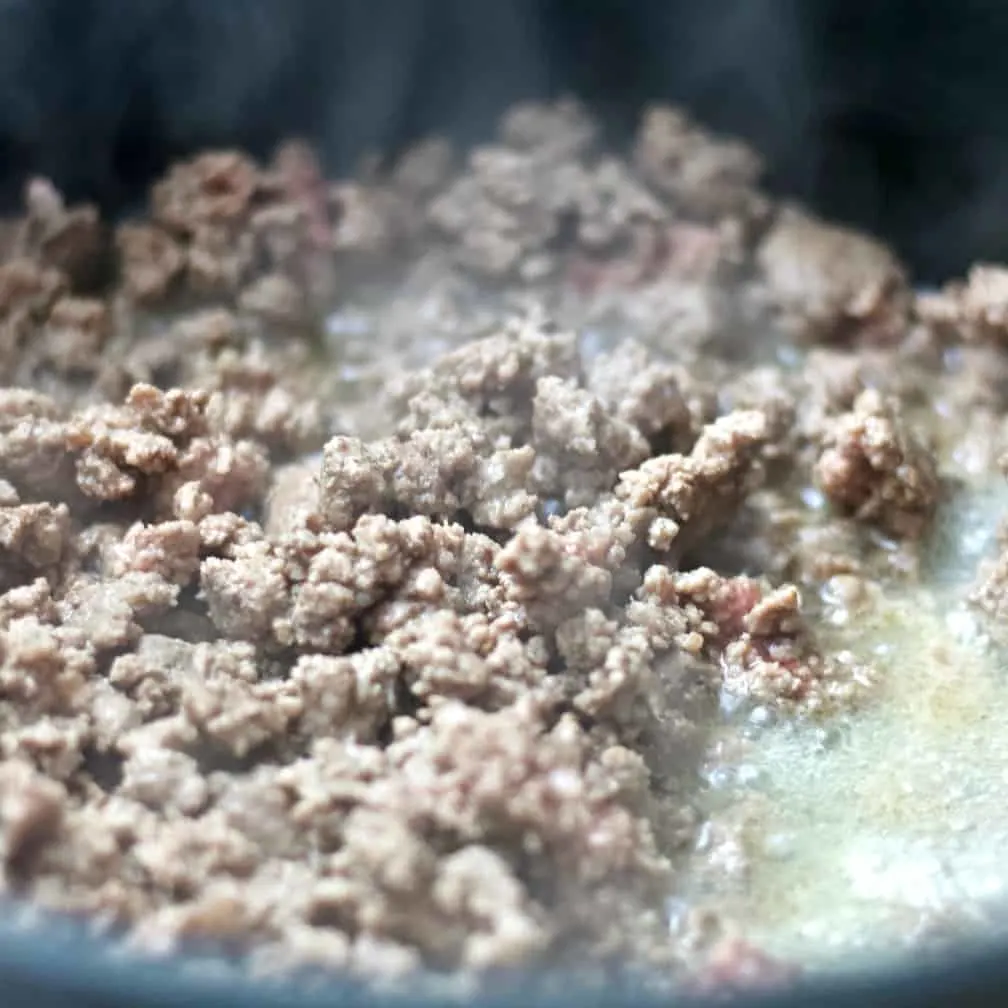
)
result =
(875, 467)
(831, 284)
(975, 311)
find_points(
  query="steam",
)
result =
(889, 119)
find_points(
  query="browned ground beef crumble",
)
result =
(407, 659)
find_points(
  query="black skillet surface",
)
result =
(66, 970)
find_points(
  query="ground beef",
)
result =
(991, 593)
(974, 311)
(152, 261)
(735, 965)
(645, 393)
(875, 466)
(541, 203)
(224, 228)
(398, 643)
(705, 176)
(516, 210)
(830, 284)
(70, 240)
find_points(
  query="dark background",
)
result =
(890, 114)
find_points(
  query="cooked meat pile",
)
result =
(382, 631)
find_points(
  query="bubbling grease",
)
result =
(884, 828)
